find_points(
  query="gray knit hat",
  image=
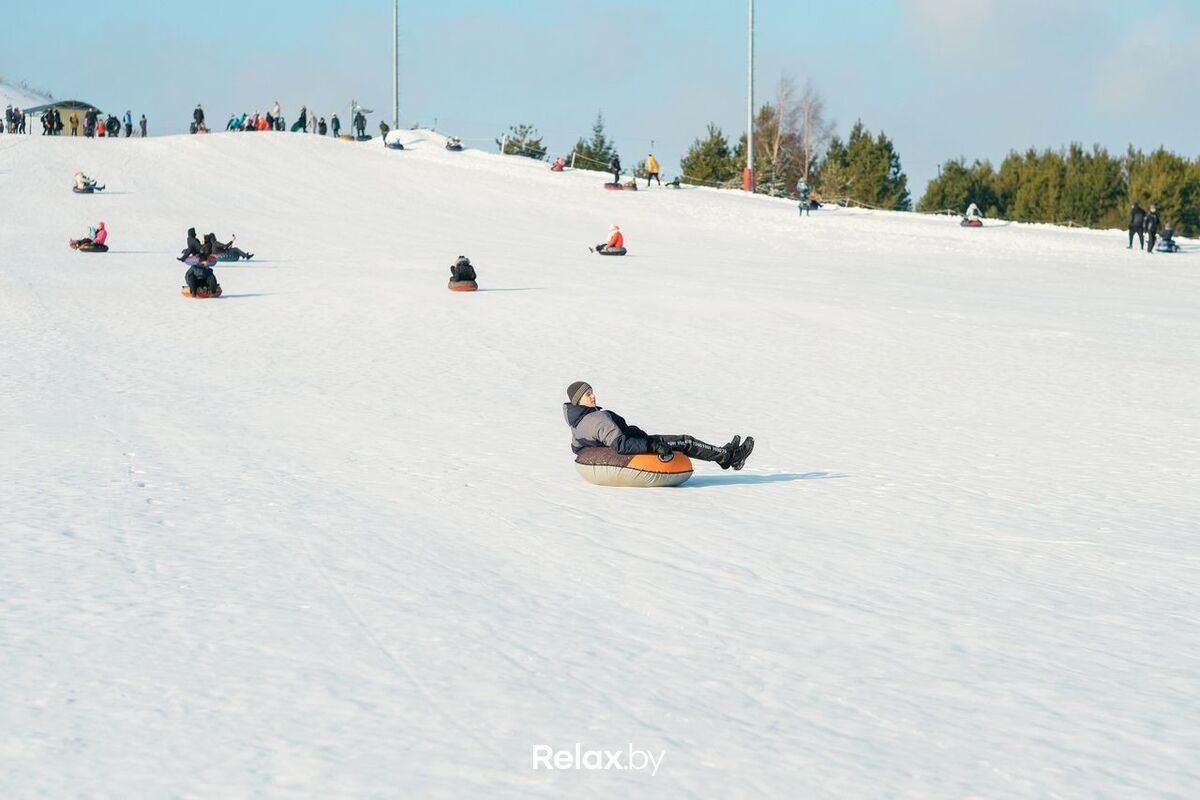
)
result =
(577, 390)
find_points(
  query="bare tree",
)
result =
(815, 131)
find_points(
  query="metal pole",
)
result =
(748, 179)
(395, 64)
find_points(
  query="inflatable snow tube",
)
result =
(613, 251)
(454, 148)
(971, 223)
(463, 286)
(193, 261)
(226, 257)
(604, 466)
(201, 294)
(613, 187)
(88, 247)
(1166, 246)
(85, 190)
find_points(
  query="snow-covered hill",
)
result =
(323, 536)
(19, 97)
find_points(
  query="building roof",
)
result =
(72, 105)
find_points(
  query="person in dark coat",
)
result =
(201, 276)
(193, 245)
(1151, 226)
(462, 270)
(1137, 218)
(142, 125)
(223, 249)
(593, 426)
(615, 167)
(335, 124)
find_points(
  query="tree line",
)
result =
(1072, 186)
(793, 141)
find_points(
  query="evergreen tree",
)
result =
(866, 169)
(596, 153)
(709, 160)
(522, 140)
(957, 186)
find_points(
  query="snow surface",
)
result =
(11, 95)
(323, 537)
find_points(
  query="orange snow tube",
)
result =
(971, 223)
(463, 286)
(604, 466)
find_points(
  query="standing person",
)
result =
(276, 111)
(336, 125)
(20, 121)
(615, 167)
(74, 120)
(142, 125)
(1151, 226)
(593, 426)
(803, 190)
(128, 123)
(383, 131)
(198, 118)
(58, 123)
(1137, 220)
(311, 127)
(652, 170)
(322, 128)
(360, 124)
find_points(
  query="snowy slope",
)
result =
(323, 537)
(12, 95)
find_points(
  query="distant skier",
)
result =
(1151, 226)
(1137, 221)
(614, 166)
(593, 426)
(652, 170)
(616, 241)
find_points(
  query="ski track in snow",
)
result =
(323, 537)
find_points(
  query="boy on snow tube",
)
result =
(593, 427)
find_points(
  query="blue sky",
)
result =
(942, 79)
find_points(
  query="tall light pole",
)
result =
(395, 63)
(748, 177)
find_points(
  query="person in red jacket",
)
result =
(615, 241)
(99, 235)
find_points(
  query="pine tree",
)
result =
(708, 160)
(522, 140)
(597, 153)
(957, 186)
(866, 169)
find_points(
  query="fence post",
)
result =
(573, 154)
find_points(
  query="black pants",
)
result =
(1141, 239)
(652, 175)
(616, 177)
(1151, 237)
(694, 448)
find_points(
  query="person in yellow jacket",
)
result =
(652, 170)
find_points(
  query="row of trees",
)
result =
(1073, 186)
(792, 141)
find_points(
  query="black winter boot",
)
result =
(739, 454)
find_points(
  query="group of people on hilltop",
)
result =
(14, 120)
(1145, 225)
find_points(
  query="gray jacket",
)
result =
(598, 427)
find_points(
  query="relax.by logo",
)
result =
(546, 757)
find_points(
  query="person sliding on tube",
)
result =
(973, 213)
(193, 246)
(97, 236)
(83, 183)
(593, 426)
(462, 270)
(615, 241)
(226, 249)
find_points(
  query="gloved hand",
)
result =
(660, 447)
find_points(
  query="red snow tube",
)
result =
(604, 466)
(613, 187)
(463, 286)
(971, 223)
(200, 294)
